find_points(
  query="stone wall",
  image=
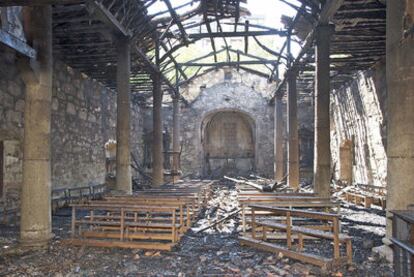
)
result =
(83, 119)
(358, 116)
(243, 93)
(11, 123)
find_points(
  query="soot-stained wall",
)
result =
(358, 113)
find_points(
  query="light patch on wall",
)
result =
(228, 75)
(340, 56)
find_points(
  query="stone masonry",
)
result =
(83, 119)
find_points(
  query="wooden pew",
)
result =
(125, 225)
(358, 199)
(287, 201)
(10, 210)
(403, 242)
(289, 228)
(186, 206)
(366, 195)
(62, 197)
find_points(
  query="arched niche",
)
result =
(228, 140)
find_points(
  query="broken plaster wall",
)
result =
(83, 119)
(358, 115)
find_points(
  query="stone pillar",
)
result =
(322, 160)
(157, 149)
(278, 140)
(35, 223)
(176, 138)
(400, 121)
(293, 141)
(123, 127)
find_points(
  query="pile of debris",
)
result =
(221, 213)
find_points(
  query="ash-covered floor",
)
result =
(213, 252)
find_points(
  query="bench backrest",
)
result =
(297, 212)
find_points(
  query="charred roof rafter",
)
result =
(82, 39)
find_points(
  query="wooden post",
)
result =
(293, 140)
(288, 230)
(122, 224)
(336, 238)
(300, 239)
(176, 139)
(244, 218)
(181, 217)
(322, 159)
(35, 223)
(253, 224)
(73, 222)
(123, 127)
(157, 147)
(173, 227)
(278, 140)
(188, 206)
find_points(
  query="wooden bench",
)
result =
(186, 210)
(125, 225)
(62, 197)
(358, 199)
(366, 195)
(10, 211)
(403, 242)
(286, 201)
(288, 227)
(200, 198)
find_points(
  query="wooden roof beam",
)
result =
(208, 26)
(238, 34)
(17, 44)
(101, 13)
(8, 3)
(326, 14)
(177, 21)
(230, 63)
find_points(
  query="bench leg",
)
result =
(300, 238)
(244, 219)
(253, 224)
(349, 251)
(368, 202)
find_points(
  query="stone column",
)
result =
(293, 141)
(322, 160)
(35, 223)
(157, 149)
(400, 121)
(123, 128)
(278, 139)
(176, 138)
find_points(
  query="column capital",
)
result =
(175, 97)
(324, 31)
(155, 75)
(120, 41)
(292, 72)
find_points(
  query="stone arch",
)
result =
(228, 139)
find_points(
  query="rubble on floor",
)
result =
(212, 252)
